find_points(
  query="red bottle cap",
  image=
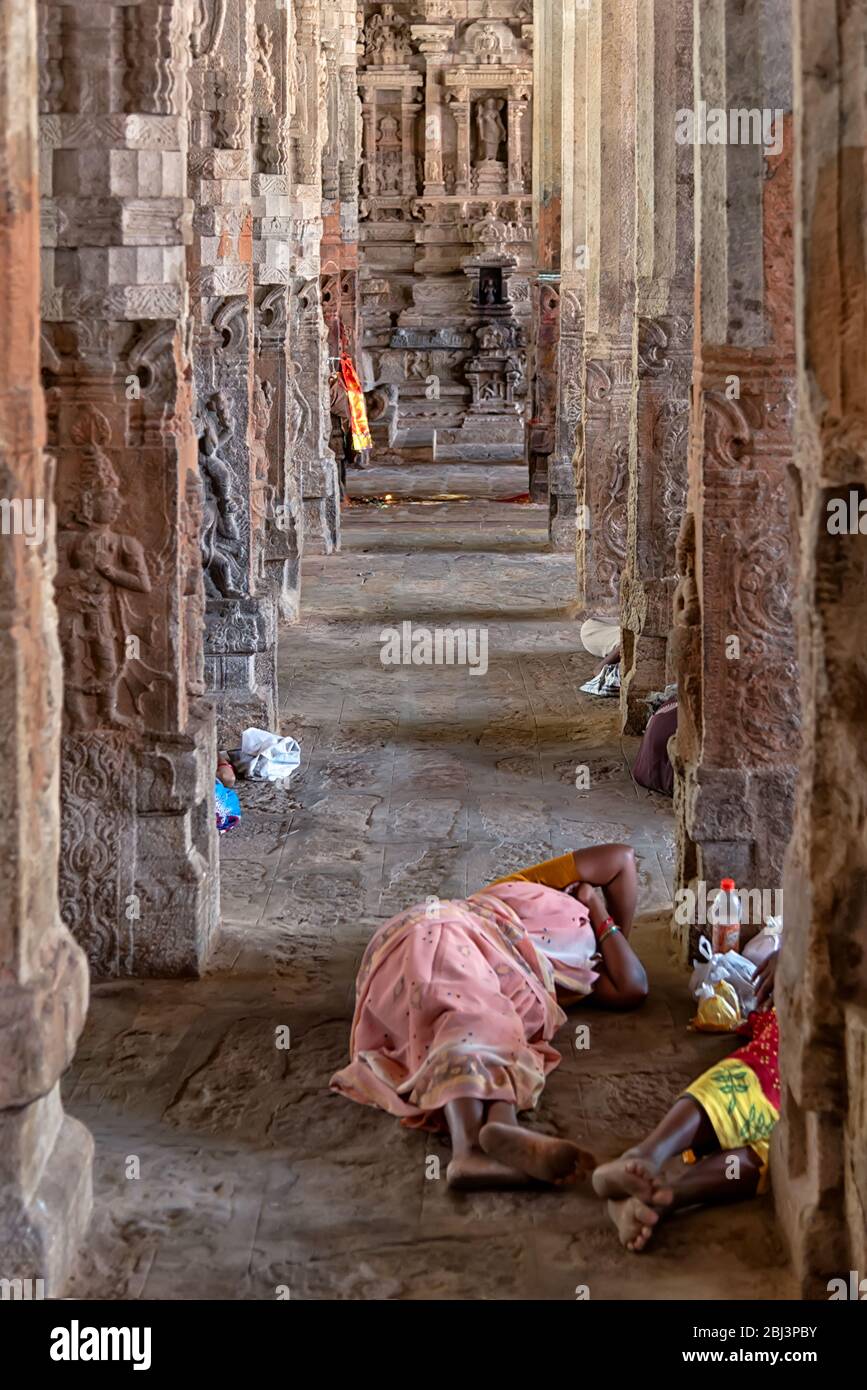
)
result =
(727, 884)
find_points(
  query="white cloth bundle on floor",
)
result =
(270, 757)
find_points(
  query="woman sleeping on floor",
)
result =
(457, 1003)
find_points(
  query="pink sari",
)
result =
(459, 1000)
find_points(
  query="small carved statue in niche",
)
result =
(98, 568)
(489, 124)
(221, 543)
(491, 288)
(389, 170)
(487, 45)
(388, 131)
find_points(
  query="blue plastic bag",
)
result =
(228, 807)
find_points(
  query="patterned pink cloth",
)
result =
(458, 999)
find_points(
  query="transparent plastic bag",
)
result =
(728, 966)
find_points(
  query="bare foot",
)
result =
(476, 1172)
(540, 1156)
(634, 1221)
(628, 1176)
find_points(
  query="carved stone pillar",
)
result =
(517, 109)
(339, 245)
(548, 113)
(603, 453)
(540, 431)
(662, 361)
(460, 109)
(240, 634)
(369, 177)
(562, 492)
(45, 1155)
(433, 41)
(331, 102)
(276, 510)
(408, 112)
(309, 385)
(738, 716)
(137, 865)
(350, 153)
(820, 1146)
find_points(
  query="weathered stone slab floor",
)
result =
(414, 781)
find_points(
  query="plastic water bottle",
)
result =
(725, 918)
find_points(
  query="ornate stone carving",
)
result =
(221, 536)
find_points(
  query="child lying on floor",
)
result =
(712, 1146)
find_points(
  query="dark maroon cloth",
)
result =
(653, 766)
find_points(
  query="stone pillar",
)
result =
(547, 117)
(339, 245)
(240, 634)
(662, 351)
(45, 1156)
(369, 180)
(408, 111)
(546, 334)
(517, 109)
(138, 885)
(738, 716)
(350, 153)
(562, 495)
(460, 109)
(331, 102)
(309, 384)
(820, 1146)
(603, 452)
(433, 42)
(276, 478)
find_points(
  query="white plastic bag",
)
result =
(727, 965)
(269, 757)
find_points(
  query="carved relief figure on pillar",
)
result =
(100, 569)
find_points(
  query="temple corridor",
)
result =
(414, 781)
(377, 374)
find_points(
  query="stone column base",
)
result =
(645, 623)
(241, 664)
(321, 506)
(46, 1159)
(138, 883)
(562, 505)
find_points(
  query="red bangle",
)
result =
(600, 940)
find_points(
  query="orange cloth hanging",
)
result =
(357, 408)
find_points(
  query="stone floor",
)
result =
(250, 1175)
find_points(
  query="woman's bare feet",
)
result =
(538, 1155)
(635, 1221)
(627, 1176)
(475, 1171)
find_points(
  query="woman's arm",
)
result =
(622, 982)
